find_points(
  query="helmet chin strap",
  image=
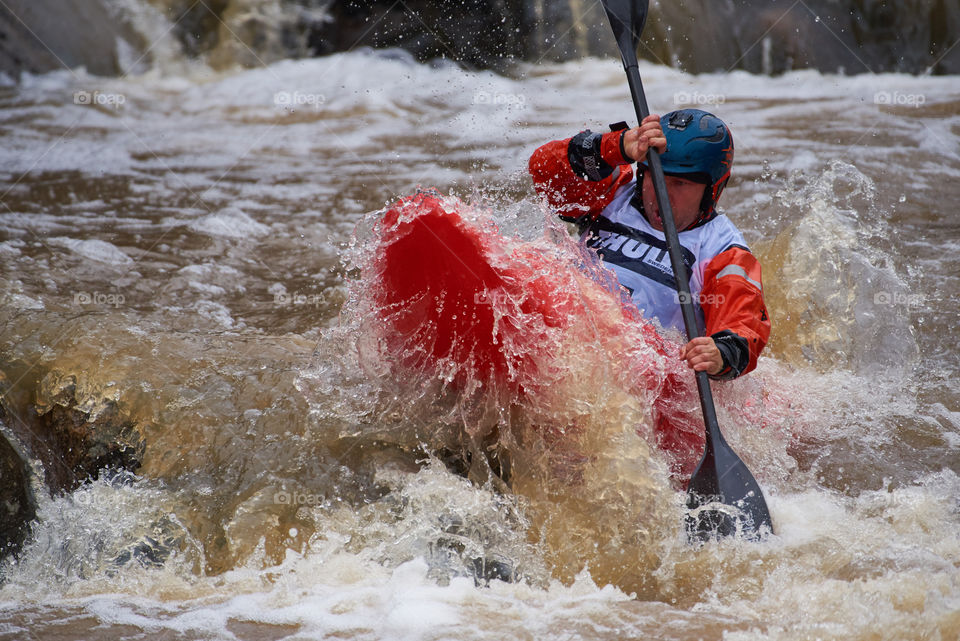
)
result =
(703, 219)
(708, 204)
(707, 210)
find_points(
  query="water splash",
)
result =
(835, 297)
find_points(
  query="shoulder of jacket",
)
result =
(621, 199)
(720, 234)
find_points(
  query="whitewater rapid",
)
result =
(186, 248)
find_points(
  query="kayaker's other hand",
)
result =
(638, 140)
(702, 355)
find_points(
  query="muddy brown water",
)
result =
(188, 258)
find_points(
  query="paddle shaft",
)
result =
(721, 476)
(680, 270)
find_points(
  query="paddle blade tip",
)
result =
(712, 521)
(627, 18)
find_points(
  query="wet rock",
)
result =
(512, 30)
(56, 433)
(47, 35)
(69, 428)
(17, 504)
(85, 430)
(775, 36)
(763, 36)
(249, 33)
(153, 549)
(492, 569)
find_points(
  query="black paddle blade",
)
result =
(627, 18)
(724, 499)
(723, 496)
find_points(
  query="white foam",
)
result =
(93, 249)
(210, 278)
(16, 300)
(216, 312)
(229, 223)
(11, 248)
(220, 140)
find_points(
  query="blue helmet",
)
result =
(699, 148)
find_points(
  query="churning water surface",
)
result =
(189, 247)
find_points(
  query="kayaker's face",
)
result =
(685, 196)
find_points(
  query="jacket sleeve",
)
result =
(579, 176)
(733, 309)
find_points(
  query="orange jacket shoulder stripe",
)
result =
(731, 296)
(732, 299)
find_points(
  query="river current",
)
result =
(187, 247)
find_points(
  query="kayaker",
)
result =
(590, 180)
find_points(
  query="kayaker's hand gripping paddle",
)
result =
(723, 497)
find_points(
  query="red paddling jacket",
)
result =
(589, 181)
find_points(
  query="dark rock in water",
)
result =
(479, 33)
(762, 36)
(451, 547)
(17, 504)
(774, 36)
(249, 34)
(53, 427)
(489, 569)
(71, 428)
(153, 550)
(197, 23)
(46, 35)
(85, 430)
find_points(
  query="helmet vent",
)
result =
(680, 120)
